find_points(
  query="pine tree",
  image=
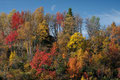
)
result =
(70, 11)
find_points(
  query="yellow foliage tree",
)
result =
(25, 32)
(83, 78)
(80, 62)
(3, 20)
(76, 42)
(11, 14)
(42, 30)
(12, 56)
(38, 15)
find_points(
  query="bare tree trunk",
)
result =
(30, 50)
(27, 49)
(80, 28)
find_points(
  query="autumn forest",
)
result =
(43, 46)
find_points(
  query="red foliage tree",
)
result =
(41, 59)
(11, 37)
(59, 18)
(113, 54)
(115, 37)
(17, 20)
(53, 49)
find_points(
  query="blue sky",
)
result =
(107, 10)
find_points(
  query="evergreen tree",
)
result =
(70, 11)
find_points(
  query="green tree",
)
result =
(93, 26)
(70, 12)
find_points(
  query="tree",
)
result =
(114, 46)
(67, 30)
(1, 37)
(11, 14)
(70, 12)
(93, 26)
(69, 25)
(96, 42)
(3, 21)
(63, 40)
(4, 24)
(79, 23)
(72, 67)
(111, 56)
(60, 20)
(53, 27)
(115, 34)
(42, 62)
(42, 30)
(12, 56)
(26, 35)
(47, 17)
(76, 63)
(17, 20)
(76, 42)
(83, 78)
(11, 38)
(106, 43)
(38, 16)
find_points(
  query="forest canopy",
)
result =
(39, 46)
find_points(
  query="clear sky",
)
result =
(107, 10)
